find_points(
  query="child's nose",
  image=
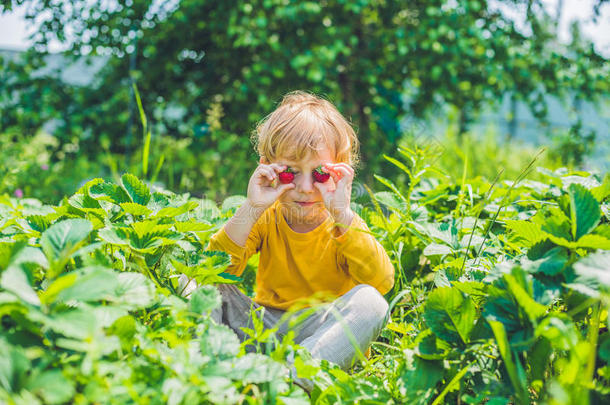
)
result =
(305, 184)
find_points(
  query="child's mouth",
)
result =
(306, 203)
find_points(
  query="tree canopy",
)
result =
(210, 70)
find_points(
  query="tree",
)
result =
(242, 56)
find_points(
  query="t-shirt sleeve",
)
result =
(239, 254)
(363, 257)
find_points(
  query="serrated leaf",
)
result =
(85, 203)
(135, 290)
(430, 347)
(74, 323)
(135, 209)
(539, 249)
(171, 212)
(219, 342)
(192, 226)
(114, 236)
(529, 232)
(551, 262)
(390, 200)
(138, 191)
(594, 270)
(593, 242)
(92, 284)
(62, 238)
(204, 299)
(109, 192)
(450, 315)
(584, 211)
(41, 223)
(391, 186)
(434, 249)
(603, 191)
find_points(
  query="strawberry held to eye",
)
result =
(320, 175)
(287, 176)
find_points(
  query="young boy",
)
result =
(307, 235)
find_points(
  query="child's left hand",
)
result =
(337, 200)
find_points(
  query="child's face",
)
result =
(304, 204)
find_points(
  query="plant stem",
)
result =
(592, 336)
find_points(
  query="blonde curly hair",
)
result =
(301, 125)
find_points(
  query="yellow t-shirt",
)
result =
(294, 266)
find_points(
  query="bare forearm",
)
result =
(239, 226)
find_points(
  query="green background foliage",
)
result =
(208, 71)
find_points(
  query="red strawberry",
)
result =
(286, 176)
(320, 175)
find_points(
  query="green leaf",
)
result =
(14, 366)
(109, 192)
(58, 285)
(114, 235)
(584, 210)
(16, 281)
(52, 386)
(124, 328)
(192, 226)
(92, 284)
(204, 299)
(551, 262)
(450, 315)
(391, 186)
(171, 212)
(390, 200)
(594, 270)
(232, 202)
(528, 232)
(520, 285)
(434, 249)
(75, 323)
(63, 238)
(504, 348)
(135, 209)
(16, 254)
(218, 341)
(430, 347)
(593, 242)
(135, 290)
(137, 190)
(602, 191)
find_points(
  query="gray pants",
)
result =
(329, 331)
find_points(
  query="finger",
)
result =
(266, 172)
(285, 187)
(278, 168)
(344, 172)
(336, 166)
(333, 173)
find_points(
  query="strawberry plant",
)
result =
(502, 296)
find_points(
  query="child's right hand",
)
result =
(261, 193)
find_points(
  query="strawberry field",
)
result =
(126, 142)
(501, 296)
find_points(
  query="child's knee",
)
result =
(369, 302)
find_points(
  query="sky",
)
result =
(14, 30)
